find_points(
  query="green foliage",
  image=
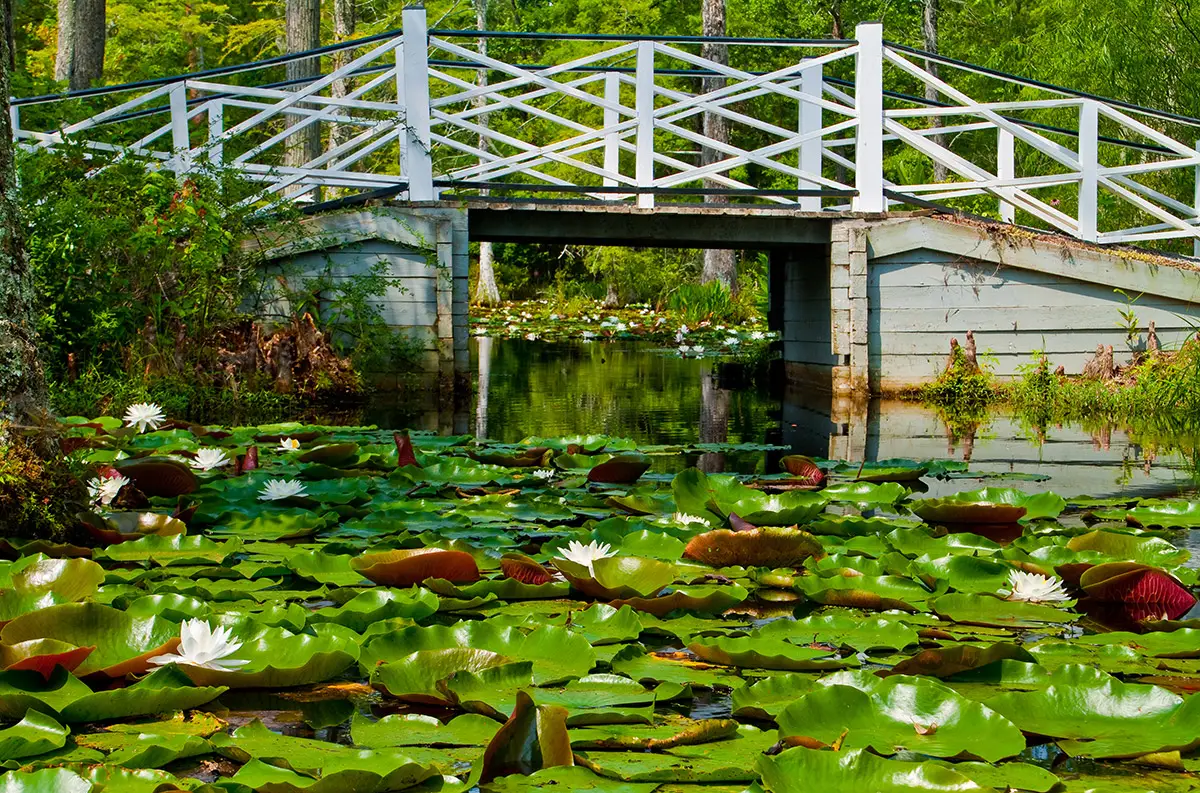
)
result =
(961, 386)
(123, 257)
(711, 302)
(39, 494)
(184, 398)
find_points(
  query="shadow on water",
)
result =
(641, 391)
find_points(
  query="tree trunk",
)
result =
(344, 22)
(81, 35)
(929, 31)
(714, 422)
(22, 385)
(719, 265)
(484, 345)
(486, 291)
(302, 25)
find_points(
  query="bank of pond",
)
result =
(307, 608)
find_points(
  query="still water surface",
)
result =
(640, 391)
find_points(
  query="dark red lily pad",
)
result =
(533, 457)
(405, 568)
(158, 476)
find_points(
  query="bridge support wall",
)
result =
(420, 252)
(875, 309)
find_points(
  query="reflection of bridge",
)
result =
(614, 125)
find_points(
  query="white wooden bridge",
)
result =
(599, 139)
(618, 120)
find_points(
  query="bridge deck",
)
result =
(665, 226)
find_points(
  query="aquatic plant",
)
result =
(371, 572)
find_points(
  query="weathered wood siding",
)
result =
(920, 299)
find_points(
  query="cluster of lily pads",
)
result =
(540, 320)
(299, 608)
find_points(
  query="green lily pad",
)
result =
(900, 713)
(1093, 714)
(972, 609)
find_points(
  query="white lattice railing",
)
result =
(826, 125)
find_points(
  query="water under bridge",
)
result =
(903, 197)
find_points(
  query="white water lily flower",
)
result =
(758, 335)
(684, 519)
(620, 327)
(698, 349)
(143, 415)
(587, 334)
(102, 490)
(684, 349)
(531, 336)
(208, 459)
(545, 474)
(204, 647)
(1036, 588)
(277, 489)
(289, 445)
(588, 554)
(553, 317)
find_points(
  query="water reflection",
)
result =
(655, 397)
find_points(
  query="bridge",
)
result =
(836, 154)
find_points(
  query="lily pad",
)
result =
(900, 713)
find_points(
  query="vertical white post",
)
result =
(14, 118)
(412, 85)
(868, 102)
(612, 150)
(182, 163)
(644, 108)
(1089, 164)
(811, 155)
(216, 131)
(1006, 168)
(1195, 203)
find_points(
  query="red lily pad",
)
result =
(765, 547)
(1137, 584)
(246, 462)
(43, 656)
(158, 476)
(405, 455)
(803, 468)
(624, 469)
(404, 568)
(521, 568)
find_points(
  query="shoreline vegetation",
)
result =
(1155, 393)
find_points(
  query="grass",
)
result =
(1159, 397)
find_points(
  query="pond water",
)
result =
(652, 395)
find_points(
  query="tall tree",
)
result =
(929, 33)
(345, 20)
(22, 384)
(302, 28)
(486, 290)
(81, 35)
(719, 265)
